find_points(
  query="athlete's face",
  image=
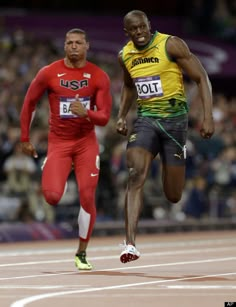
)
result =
(137, 27)
(76, 46)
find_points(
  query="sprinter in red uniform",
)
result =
(79, 98)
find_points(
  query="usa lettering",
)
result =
(74, 85)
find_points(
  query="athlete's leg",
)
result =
(138, 163)
(86, 168)
(55, 172)
(173, 179)
(142, 147)
(173, 156)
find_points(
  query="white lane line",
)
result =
(31, 287)
(126, 268)
(187, 287)
(30, 299)
(200, 287)
(56, 251)
(38, 275)
(167, 253)
(39, 287)
(176, 263)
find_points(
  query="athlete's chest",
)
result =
(146, 70)
(147, 63)
(67, 83)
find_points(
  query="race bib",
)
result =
(148, 87)
(65, 104)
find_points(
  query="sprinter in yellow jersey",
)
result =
(152, 66)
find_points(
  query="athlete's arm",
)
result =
(128, 95)
(33, 94)
(101, 116)
(178, 50)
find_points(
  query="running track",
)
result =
(193, 269)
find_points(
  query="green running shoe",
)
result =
(81, 262)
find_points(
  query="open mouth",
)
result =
(140, 39)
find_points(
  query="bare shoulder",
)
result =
(120, 57)
(176, 47)
(120, 53)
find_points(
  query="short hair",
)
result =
(134, 12)
(78, 31)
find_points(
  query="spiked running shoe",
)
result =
(81, 262)
(130, 253)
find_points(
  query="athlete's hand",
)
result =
(28, 149)
(208, 128)
(77, 108)
(121, 126)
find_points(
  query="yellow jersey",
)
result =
(158, 79)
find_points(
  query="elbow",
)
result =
(99, 119)
(103, 121)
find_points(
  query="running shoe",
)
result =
(130, 253)
(81, 262)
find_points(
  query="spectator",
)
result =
(19, 170)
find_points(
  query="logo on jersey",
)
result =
(60, 75)
(74, 85)
(87, 75)
(144, 61)
(132, 137)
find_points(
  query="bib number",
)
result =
(148, 87)
(65, 103)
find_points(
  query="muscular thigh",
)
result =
(87, 161)
(144, 135)
(173, 155)
(166, 137)
(58, 166)
(173, 134)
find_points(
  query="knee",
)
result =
(52, 198)
(174, 197)
(87, 196)
(136, 177)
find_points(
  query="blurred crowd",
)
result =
(211, 164)
(215, 18)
